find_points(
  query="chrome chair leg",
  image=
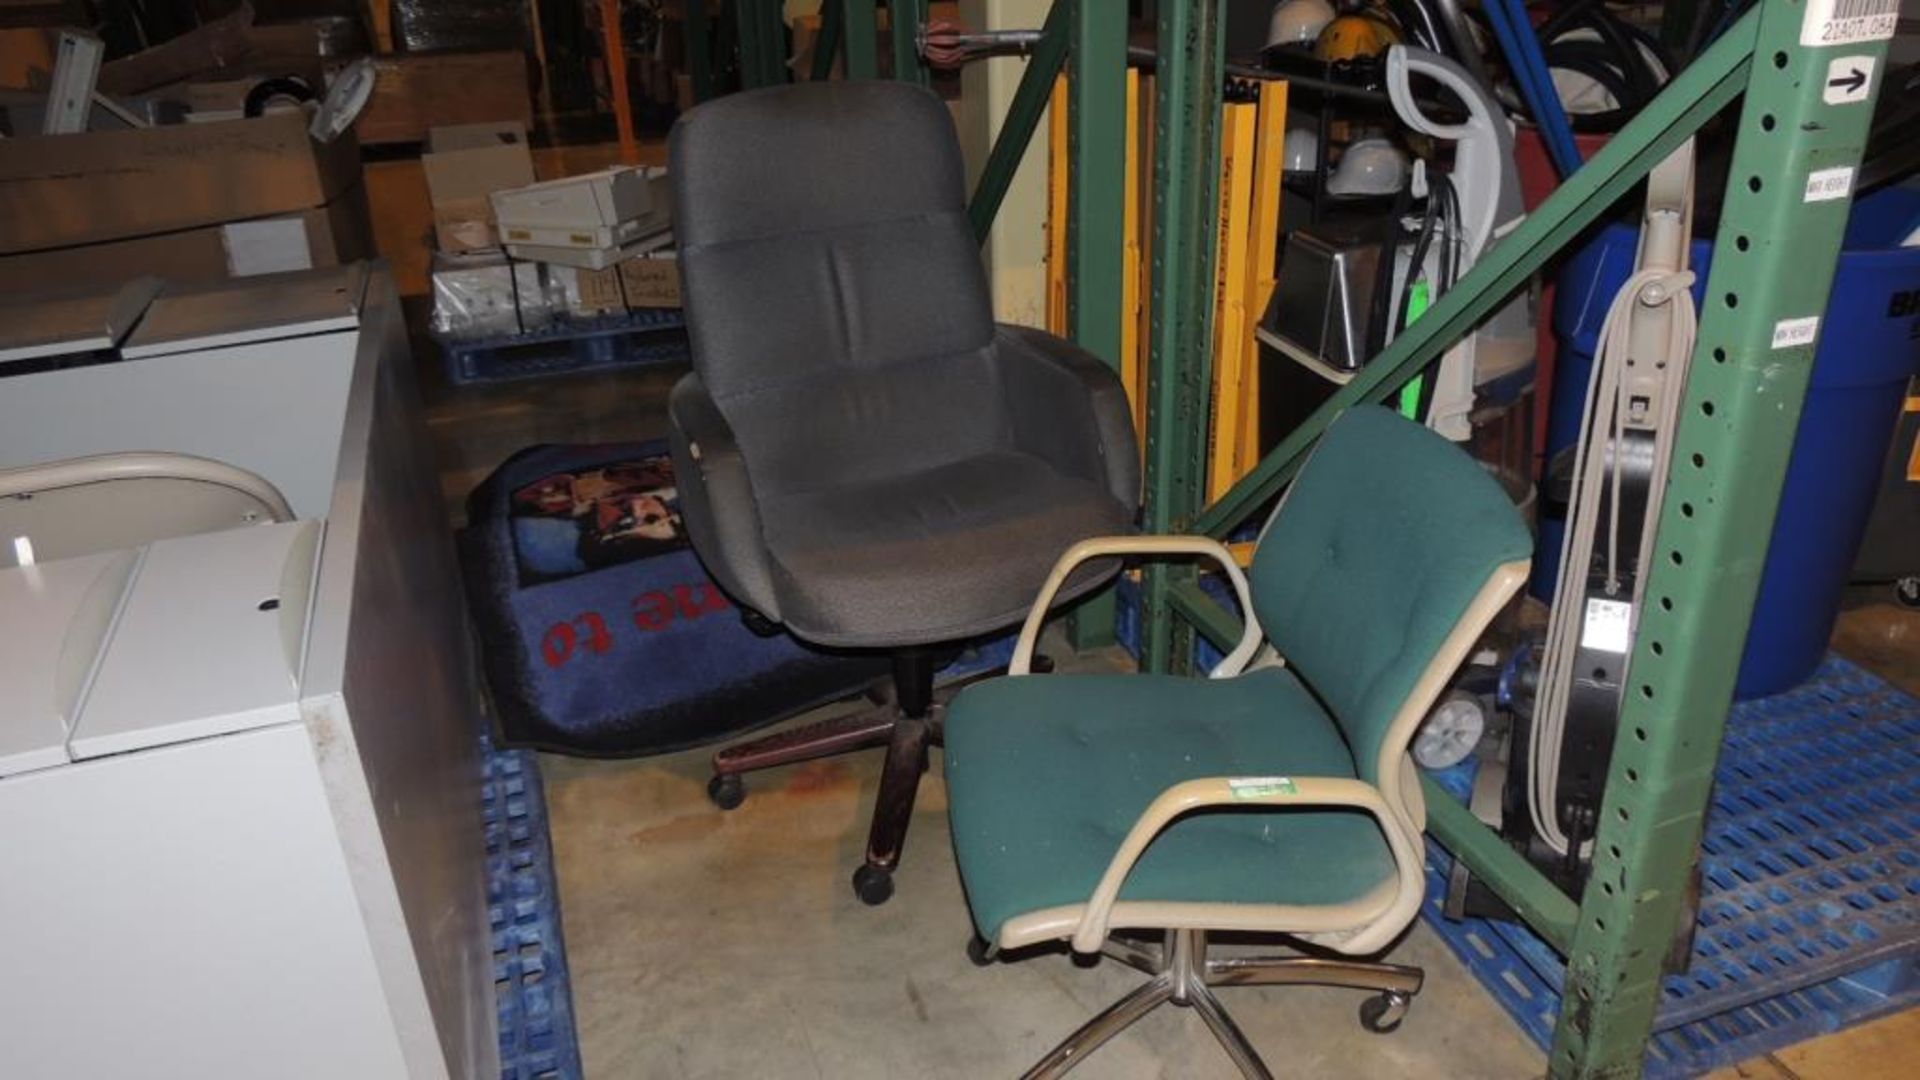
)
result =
(1095, 1032)
(1232, 1039)
(1135, 955)
(1183, 974)
(1298, 970)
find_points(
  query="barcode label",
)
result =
(1609, 626)
(1834, 183)
(1791, 333)
(1842, 22)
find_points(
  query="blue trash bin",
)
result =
(1869, 346)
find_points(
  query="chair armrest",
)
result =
(717, 499)
(1298, 791)
(1235, 662)
(1071, 410)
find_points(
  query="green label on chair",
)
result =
(1259, 787)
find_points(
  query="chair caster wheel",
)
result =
(1383, 1013)
(759, 625)
(981, 953)
(1906, 591)
(727, 790)
(873, 885)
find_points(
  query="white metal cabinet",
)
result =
(205, 876)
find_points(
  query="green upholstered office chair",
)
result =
(1276, 796)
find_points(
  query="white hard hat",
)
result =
(1302, 149)
(1371, 166)
(1298, 22)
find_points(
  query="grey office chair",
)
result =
(864, 457)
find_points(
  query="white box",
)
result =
(593, 258)
(598, 210)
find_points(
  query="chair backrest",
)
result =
(837, 305)
(1381, 546)
(107, 502)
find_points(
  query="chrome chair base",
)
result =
(1183, 975)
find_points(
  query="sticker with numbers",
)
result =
(1849, 80)
(1609, 625)
(1834, 183)
(1259, 787)
(1842, 22)
(1788, 333)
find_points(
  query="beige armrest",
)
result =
(1141, 545)
(1190, 795)
(142, 465)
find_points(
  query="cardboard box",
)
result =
(605, 209)
(413, 92)
(651, 282)
(464, 165)
(57, 191)
(329, 235)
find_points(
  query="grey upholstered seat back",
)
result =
(838, 309)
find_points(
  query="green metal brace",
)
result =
(827, 43)
(1023, 118)
(1188, 85)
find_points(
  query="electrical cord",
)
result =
(1607, 405)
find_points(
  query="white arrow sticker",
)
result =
(1849, 79)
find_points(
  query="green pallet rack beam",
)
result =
(1096, 220)
(1188, 85)
(1779, 238)
(905, 19)
(699, 35)
(1798, 144)
(860, 37)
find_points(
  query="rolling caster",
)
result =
(1382, 1013)
(981, 953)
(1907, 591)
(759, 625)
(727, 790)
(873, 885)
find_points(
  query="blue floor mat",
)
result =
(1810, 895)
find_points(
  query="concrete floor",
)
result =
(709, 944)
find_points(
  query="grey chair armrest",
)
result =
(1070, 409)
(716, 497)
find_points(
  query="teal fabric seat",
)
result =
(1047, 774)
(1384, 540)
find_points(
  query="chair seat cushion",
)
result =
(932, 555)
(1047, 774)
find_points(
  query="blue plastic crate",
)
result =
(643, 336)
(1810, 884)
(537, 1037)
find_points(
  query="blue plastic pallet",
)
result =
(642, 336)
(1810, 893)
(537, 1038)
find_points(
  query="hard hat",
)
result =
(1298, 22)
(1302, 149)
(1350, 37)
(1371, 166)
